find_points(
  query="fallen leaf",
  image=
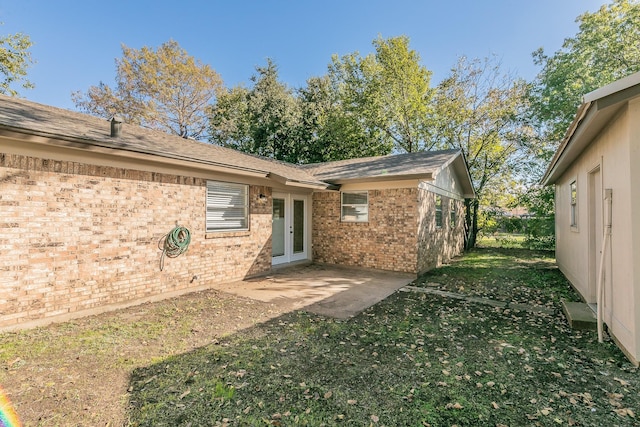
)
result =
(621, 381)
(352, 401)
(495, 405)
(375, 418)
(328, 395)
(454, 406)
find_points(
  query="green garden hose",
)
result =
(176, 242)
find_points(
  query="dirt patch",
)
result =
(77, 373)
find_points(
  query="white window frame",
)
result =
(227, 198)
(573, 200)
(438, 210)
(354, 206)
(452, 213)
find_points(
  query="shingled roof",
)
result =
(20, 118)
(397, 166)
(84, 131)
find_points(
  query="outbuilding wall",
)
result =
(78, 239)
(609, 155)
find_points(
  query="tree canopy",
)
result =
(606, 48)
(262, 120)
(389, 91)
(15, 59)
(478, 109)
(164, 89)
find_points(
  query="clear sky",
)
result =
(77, 41)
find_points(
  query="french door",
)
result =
(289, 228)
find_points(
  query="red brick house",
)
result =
(84, 204)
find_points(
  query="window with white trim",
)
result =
(573, 188)
(227, 206)
(438, 211)
(354, 206)
(452, 213)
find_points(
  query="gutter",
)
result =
(46, 139)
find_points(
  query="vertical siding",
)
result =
(76, 238)
(611, 152)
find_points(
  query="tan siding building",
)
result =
(597, 183)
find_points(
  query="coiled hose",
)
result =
(176, 242)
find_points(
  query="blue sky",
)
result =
(76, 42)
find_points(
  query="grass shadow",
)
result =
(412, 359)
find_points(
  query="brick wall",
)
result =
(438, 245)
(77, 238)
(387, 242)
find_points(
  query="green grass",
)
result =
(501, 240)
(412, 360)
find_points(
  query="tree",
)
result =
(328, 131)
(606, 48)
(478, 110)
(165, 89)
(263, 120)
(15, 59)
(388, 90)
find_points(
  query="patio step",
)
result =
(580, 316)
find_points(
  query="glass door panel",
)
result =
(278, 228)
(298, 226)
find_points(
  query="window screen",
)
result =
(438, 211)
(227, 206)
(355, 207)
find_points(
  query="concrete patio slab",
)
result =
(327, 290)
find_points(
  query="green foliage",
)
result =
(164, 89)
(389, 91)
(262, 120)
(606, 48)
(15, 59)
(478, 109)
(328, 131)
(540, 230)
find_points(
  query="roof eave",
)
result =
(315, 185)
(87, 145)
(380, 178)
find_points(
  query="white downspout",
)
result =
(608, 197)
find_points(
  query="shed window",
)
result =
(574, 205)
(227, 206)
(438, 211)
(355, 207)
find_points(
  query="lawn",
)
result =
(415, 359)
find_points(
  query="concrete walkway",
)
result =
(342, 292)
(485, 301)
(327, 290)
